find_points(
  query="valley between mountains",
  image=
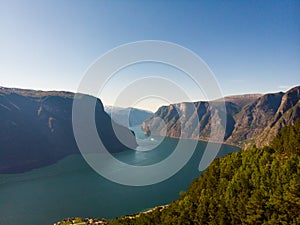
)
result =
(41, 122)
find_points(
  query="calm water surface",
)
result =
(71, 188)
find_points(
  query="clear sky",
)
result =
(251, 46)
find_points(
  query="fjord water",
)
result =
(71, 188)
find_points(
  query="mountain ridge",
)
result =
(250, 119)
(36, 128)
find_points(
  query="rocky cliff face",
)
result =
(250, 119)
(36, 129)
(286, 114)
(181, 120)
(254, 117)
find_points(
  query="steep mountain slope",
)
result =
(182, 120)
(254, 117)
(250, 119)
(36, 128)
(287, 113)
(127, 116)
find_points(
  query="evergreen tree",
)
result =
(255, 186)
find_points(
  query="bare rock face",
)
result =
(250, 119)
(192, 120)
(286, 114)
(254, 117)
(36, 129)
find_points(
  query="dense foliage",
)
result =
(288, 140)
(256, 186)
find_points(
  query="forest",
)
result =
(252, 186)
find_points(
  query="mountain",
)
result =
(250, 119)
(259, 122)
(36, 128)
(181, 120)
(127, 116)
(287, 113)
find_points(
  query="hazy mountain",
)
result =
(36, 128)
(251, 119)
(127, 116)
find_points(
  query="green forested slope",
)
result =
(256, 186)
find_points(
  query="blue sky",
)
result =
(251, 46)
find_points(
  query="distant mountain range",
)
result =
(251, 119)
(36, 128)
(127, 116)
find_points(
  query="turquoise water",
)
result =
(71, 188)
